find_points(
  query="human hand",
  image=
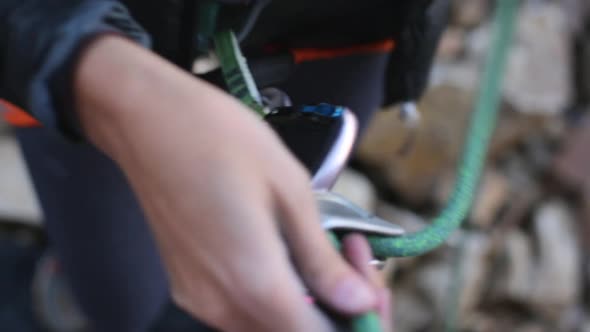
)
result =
(231, 210)
(356, 250)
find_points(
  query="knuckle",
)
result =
(327, 270)
(295, 170)
(301, 174)
(259, 290)
(268, 293)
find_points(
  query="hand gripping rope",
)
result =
(482, 125)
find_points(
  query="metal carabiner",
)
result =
(338, 213)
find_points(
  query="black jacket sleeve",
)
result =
(39, 44)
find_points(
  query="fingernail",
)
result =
(354, 296)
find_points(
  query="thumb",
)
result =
(322, 268)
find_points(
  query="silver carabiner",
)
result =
(338, 213)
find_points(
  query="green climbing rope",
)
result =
(482, 125)
(241, 85)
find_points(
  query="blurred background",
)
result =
(520, 263)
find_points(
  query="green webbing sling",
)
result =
(235, 71)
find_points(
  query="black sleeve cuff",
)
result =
(39, 44)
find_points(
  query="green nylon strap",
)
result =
(235, 71)
(483, 123)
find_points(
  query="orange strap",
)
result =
(16, 116)
(19, 118)
(310, 54)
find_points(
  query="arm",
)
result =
(217, 187)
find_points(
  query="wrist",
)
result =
(119, 84)
(126, 95)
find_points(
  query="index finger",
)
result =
(357, 252)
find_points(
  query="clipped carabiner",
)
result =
(338, 213)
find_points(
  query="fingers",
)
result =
(356, 250)
(268, 292)
(235, 273)
(324, 271)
